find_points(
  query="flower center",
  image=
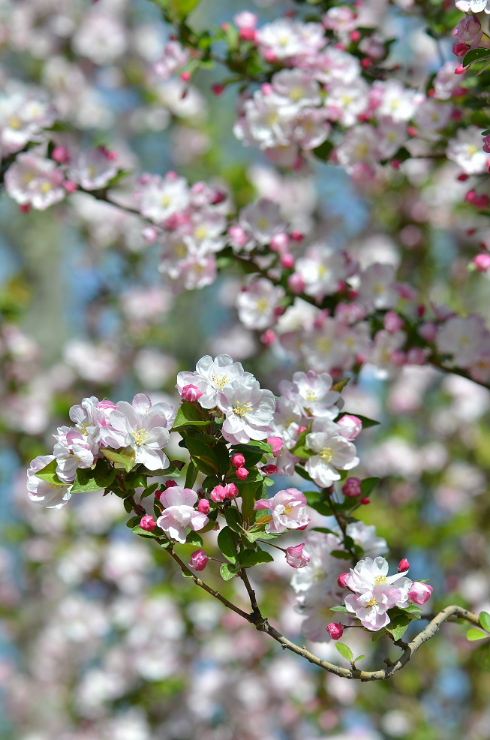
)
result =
(83, 428)
(326, 454)
(45, 187)
(220, 381)
(310, 396)
(372, 602)
(141, 436)
(380, 579)
(262, 305)
(288, 509)
(241, 409)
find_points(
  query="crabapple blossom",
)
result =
(179, 513)
(420, 593)
(473, 6)
(350, 426)
(198, 560)
(248, 411)
(296, 556)
(375, 592)
(144, 426)
(191, 393)
(257, 302)
(73, 450)
(311, 394)
(51, 495)
(332, 452)
(466, 150)
(35, 181)
(288, 509)
(147, 523)
(211, 377)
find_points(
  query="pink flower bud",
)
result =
(301, 429)
(242, 473)
(276, 443)
(352, 487)
(350, 426)
(61, 154)
(341, 580)
(247, 34)
(217, 89)
(392, 322)
(148, 523)
(231, 491)
(398, 357)
(365, 501)
(218, 494)
(428, 331)
(158, 494)
(297, 236)
(238, 460)
(335, 630)
(190, 393)
(403, 565)
(296, 283)
(287, 261)
(237, 236)
(270, 469)
(268, 337)
(25, 208)
(270, 57)
(460, 49)
(203, 506)
(296, 557)
(185, 76)
(198, 560)
(419, 593)
(482, 262)
(70, 186)
(279, 243)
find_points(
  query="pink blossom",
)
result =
(420, 593)
(198, 560)
(203, 506)
(350, 426)
(148, 523)
(277, 444)
(180, 513)
(191, 393)
(342, 580)
(335, 630)
(296, 557)
(288, 509)
(375, 592)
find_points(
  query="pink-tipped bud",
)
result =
(170, 483)
(237, 236)
(242, 473)
(198, 560)
(238, 460)
(25, 208)
(341, 580)
(392, 322)
(280, 243)
(148, 523)
(158, 494)
(270, 57)
(231, 491)
(70, 186)
(218, 494)
(350, 426)
(276, 443)
(460, 70)
(296, 557)
(398, 357)
(352, 488)
(203, 506)
(185, 76)
(297, 236)
(482, 262)
(301, 429)
(420, 593)
(247, 34)
(365, 501)
(296, 283)
(428, 331)
(268, 337)
(270, 469)
(61, 154)
(217, 89)
(335, 630)
(403, 565)
(460, 49)
(191, 393)
(287, 261)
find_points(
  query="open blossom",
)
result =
(35, 181)
(211, 377)
(73, 450)
(173, 58)
(257, 302)
(40, 491)
(311, 394)
(375, 592)
(466, 149)
(473, 6)
(333, 452)
(249, 411)
(161, 198)
(92, 168)
(22, 119)
(288, 509)
(296, 556)
(262, 220)
(464, 339)
(321, 269)
(144, 427)
(179, 513)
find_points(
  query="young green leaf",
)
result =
(48, 473)
(484, 619)
(368, 485)
(339, 608)
(123, 459)
(398, 625)
(474, 635)
(345, 651)
(227, 571)
(193, 539)
(191, 475)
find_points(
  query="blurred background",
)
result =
(100, 637)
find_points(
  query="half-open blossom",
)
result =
(179, 513)
(350, 426)
(51, 495)
(419, 593)
(198, 560)
(296, 556)
(375, 592)
(190, 393)
(288, 510)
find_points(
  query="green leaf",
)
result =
(233, 519)
(227, 571)
(247, 492)
(182, 8)
(249, 558)
(136, 479)
(323, 151)
(303, 474)
(203, 455)
(341, 554)
(227, 545)
(189, 415)
(398, 625)
(342, 609)
(123, 458)
(151, 489)
(94, 480)
(191, 475)
(484, 620)
(301, 449)
(345, 651)
(254, 535)
(48, 473)
(475, 55)
(144, 533)
(359, 657)
(133, 522)
(368, 485)
(474, 635)
(340, 385)
(193, 539)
